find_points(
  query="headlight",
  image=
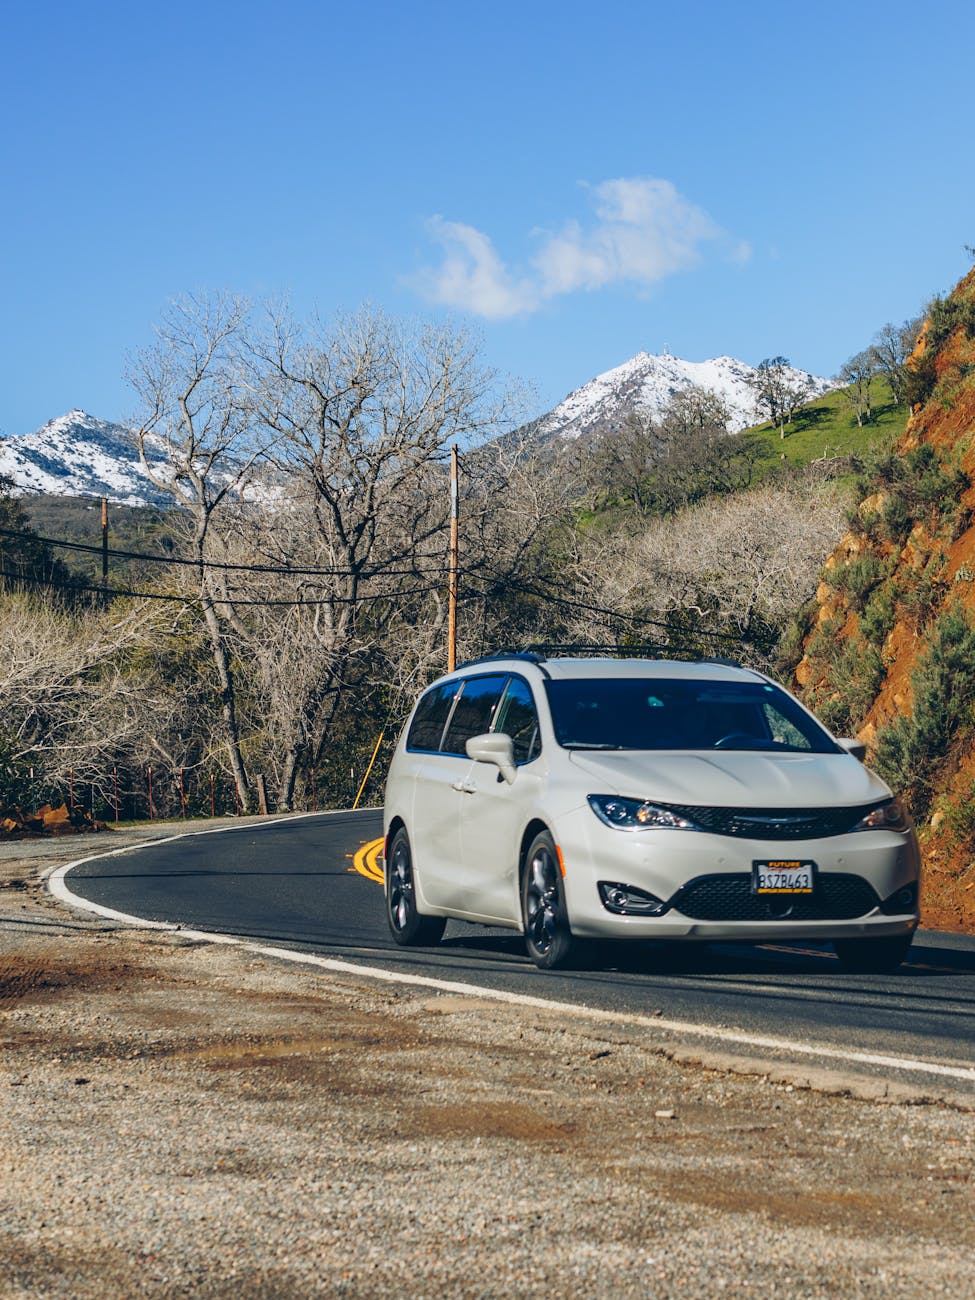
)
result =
(890, 816)
(637, 815)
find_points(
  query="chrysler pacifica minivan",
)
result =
(639, 799)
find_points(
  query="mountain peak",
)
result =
(648, 381)
(77, 454)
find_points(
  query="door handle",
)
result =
(464, 787)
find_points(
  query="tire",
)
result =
(406, 925)
(548, 937)
(874, 956)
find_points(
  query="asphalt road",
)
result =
(292, 884)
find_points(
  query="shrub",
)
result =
(920, 378)
(918, 487)
(917, 596)
(960, 819)
(944, 696)
(948, 314)
(851, 670)
(858, 578)
(896, 521)
(878, 618)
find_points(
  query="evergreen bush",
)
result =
(944, 699)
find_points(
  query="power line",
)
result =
(616, 615)
(510, 583)
(214, 600)
(279, 570)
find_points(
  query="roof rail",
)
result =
(646, 650)
(526, 656)
(601, 651)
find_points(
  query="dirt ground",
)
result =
(183, 1118)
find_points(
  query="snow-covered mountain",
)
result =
(79, 455)
(648, 382)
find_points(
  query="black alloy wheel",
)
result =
(406, 924)
(548, 937)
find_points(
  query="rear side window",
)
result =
(474, 712)
(431, 715)
(518, 719)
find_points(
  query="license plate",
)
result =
(783, 876)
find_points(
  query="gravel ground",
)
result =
(180, 1118)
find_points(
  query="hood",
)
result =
(733, 779)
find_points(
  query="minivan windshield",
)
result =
(681, 713)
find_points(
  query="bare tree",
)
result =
(892, 346)
(692, 409)
(856, 376)
(69, 698)
(198, 441)
(779, 391)
(619, 464)
(364, 414)
(731, 570)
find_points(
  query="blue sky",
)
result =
(580, 181)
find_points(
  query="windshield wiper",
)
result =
(590, 744)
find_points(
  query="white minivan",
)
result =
(641, 799)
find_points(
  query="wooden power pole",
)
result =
(104, 543)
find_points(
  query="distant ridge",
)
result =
(648, 382)
(80, 455)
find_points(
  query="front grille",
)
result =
(729, 897)
(773, 823)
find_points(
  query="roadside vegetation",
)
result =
(257, 640)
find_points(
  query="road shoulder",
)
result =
(183, 1115)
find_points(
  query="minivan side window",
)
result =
(518, 719)
(431, 715)
(474, 711)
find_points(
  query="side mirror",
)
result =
(855, 747)
(496, 748)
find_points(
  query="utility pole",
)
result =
(452, 567)
(104, 543)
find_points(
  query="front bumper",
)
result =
(662, 862)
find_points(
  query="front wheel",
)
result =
(872, 956)
(546, 922)
(406, 925)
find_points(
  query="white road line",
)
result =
(737, 1038)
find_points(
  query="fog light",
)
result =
(627, 900)
(901, 900)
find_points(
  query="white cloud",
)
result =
(643, 231)
(471, 276)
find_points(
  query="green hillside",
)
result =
(827, 427)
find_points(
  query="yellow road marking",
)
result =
(368, 861)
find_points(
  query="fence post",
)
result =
(236, 799)
(182, 795)
(213, 796)
(261, 794)
(149, 771)
(115, 783)
(70, 788)
(314, 793)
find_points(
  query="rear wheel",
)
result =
(546, 922)
(872, 955)
(406, 924)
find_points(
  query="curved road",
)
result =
(294, 884)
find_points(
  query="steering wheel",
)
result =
(733, 738)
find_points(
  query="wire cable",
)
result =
(209, 564)
(70, 586)
(612, 614)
